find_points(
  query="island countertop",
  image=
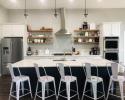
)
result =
(62, 56)
(100, 62)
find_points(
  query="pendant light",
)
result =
(85, 23)
(55, 14)
(25, 10)
(86, 11)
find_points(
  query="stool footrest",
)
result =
(46, 96)
(28, 92)
(92, 97)
(115, 95)
(66, 97)
(70, 90)
(97, 91)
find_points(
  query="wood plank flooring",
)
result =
(5, 87)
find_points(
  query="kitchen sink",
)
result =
(62, 54)
(63, 59)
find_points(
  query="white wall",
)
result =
(3, 15)
(74, 19)
(124, 48)
(3, 19)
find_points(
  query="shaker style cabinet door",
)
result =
(107, 29)
(111, 29)
(116, 29)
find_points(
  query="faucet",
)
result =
(64, 55)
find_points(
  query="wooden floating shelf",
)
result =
(36, 39)
(86, 42)
(41, 43)
(86, 30)
(40, 37)
(86, 37)
(93, 34)
(40, 30)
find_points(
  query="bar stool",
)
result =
(116, 78)
(44, 80)
(94, 81)
(18, 80)
(67, 80)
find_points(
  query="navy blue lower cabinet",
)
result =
(53, 71)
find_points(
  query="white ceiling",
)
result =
(71, 4)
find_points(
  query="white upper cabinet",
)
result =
(107, 29)
(116, 28)
(111, 29)
(13, 30)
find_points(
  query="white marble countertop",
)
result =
(63, 56)
(100, 62)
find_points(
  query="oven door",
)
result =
(110, 44)
(111, 55)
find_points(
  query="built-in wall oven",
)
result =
(111, 48)
(111, 55)
(111, 43)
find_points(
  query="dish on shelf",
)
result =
(40, 35)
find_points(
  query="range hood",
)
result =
(63, 30)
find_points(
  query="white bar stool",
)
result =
(94, 81)
(44, 80)
(19, 81)
(116, 78)
(67, 80)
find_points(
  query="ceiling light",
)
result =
(99, 0)
(14, 1)
(68, 33)
(42, 1)
(71, 0)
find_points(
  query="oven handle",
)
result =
(111, 51)
(111, 39)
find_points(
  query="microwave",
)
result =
(111, 43)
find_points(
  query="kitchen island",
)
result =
(26, 67)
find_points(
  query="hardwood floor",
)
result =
(5, 87)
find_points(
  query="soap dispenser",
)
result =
(29, 51)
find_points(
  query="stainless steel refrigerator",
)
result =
(12, 51)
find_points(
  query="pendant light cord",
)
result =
(55, 9)
(25, 7)
(25, 10)
(86, 12)
(55, 5)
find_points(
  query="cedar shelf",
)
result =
(86, 30)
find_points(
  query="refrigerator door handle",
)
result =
(11, 49)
